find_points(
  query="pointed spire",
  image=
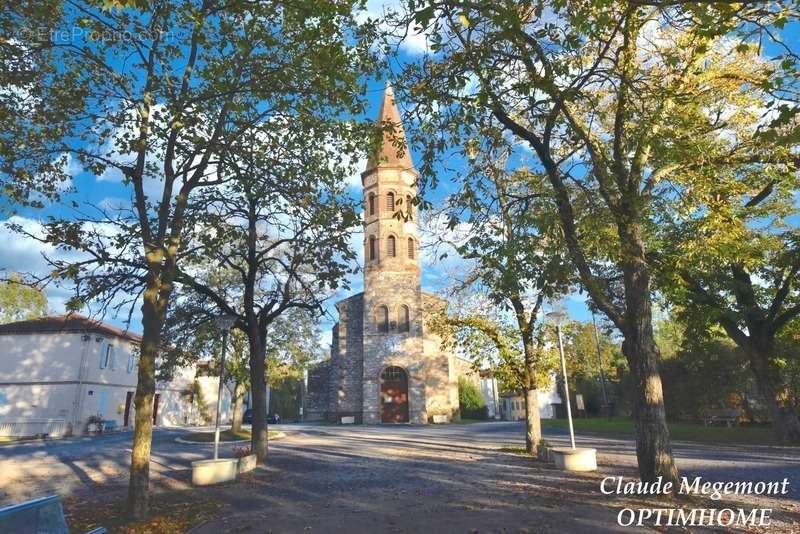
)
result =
(393, 151)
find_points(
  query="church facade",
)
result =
(385, 366)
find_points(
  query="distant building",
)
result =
(513, 404)
(56, 372)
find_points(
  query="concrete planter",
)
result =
(206, 472)
(575, 459)
(350, 420)
(440, 419)
(247, 464)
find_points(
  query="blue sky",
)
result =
(26, 255)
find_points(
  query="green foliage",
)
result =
(470, 400)
(580, 347)
(200, 402)
(19, 301)
(492, 340)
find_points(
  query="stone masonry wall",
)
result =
(346, 387)
(316, 397)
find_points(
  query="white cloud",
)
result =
(415, 42)
(26, 255)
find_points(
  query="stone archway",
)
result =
(394, 395)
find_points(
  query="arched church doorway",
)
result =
(394, 395)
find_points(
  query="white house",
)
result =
(56, 372)
(513, 404)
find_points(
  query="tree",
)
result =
(470, 400)
(596, 93)
(513, 246)
(280, 230)
(197, 77)
(19, 301)
(491, 338)
(291, 343)
(595, 376)
(719, 258)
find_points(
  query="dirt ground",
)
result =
(407, 479)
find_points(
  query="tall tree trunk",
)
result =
(238, 402)
(533, 424)
(653, 449)
(785, 423)
(258, 353)
(139, 481)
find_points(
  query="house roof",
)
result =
(393, 151)
(72, 322)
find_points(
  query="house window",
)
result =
(408, 205)
(405, 319)
(131, 362)
(410, 248)
(390, 202)
(382, 319)
(107, 357)
(391, 248)
(372, 250)
(372, 203)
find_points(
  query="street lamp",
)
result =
(558, 317)
(571, 459)
(224, 323)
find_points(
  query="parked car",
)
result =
(247, 418)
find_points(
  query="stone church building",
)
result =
(385, 366)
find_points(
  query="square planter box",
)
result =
(247, 464)
(575, 459)
(206, 472)
(348, 420)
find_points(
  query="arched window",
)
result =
(391, 248)
(390, 202)
(410, 248)
(382, 319)
(372, 252)
(393, 373)
(405, 319)
(409, 206)
(372, 203)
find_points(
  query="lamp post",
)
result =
(558, 317)
(224, 323)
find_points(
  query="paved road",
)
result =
(386, 478)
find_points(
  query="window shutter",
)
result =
(112, 355)
(103, 361)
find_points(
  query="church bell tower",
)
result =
(392, 291)
(391, 242)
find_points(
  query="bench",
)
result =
(729, 416)
(39, 515)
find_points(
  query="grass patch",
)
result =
(751, 435)
(225, 435)
(515, 450)
(169, 513)
(468, 421)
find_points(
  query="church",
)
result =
(385, 366)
